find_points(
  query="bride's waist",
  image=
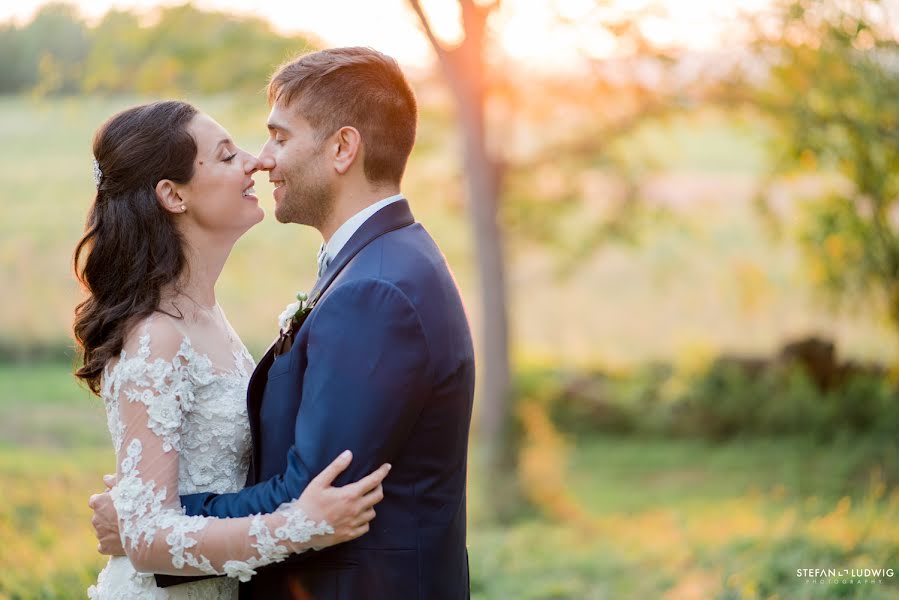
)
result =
(186, 489)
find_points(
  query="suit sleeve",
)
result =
(363, 389)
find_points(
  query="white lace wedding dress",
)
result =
(176, 410)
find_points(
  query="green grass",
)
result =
(674, 519)
(685, 519)
(41, 384)
(48, 409)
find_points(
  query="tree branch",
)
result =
(438, 46)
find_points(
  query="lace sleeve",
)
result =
(151, 391)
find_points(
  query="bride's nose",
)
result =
(251, 164)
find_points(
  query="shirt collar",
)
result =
(346, 231)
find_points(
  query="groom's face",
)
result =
(304, 190)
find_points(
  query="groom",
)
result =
(382, 365)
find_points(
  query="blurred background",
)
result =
(675, 225)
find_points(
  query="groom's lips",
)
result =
(278, 185)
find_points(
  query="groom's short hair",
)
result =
(357, 87)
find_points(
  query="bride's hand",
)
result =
(348, 509)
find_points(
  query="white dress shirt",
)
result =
(329, 251)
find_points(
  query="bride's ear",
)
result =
(168, 197)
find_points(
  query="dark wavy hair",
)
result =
(131, 247)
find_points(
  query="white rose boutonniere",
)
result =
(294, 311)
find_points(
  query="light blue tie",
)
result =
(323, 261)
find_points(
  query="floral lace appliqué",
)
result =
(191, 415)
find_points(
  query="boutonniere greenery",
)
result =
(295, 311)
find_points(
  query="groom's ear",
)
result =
(347, 146)
(168, 196)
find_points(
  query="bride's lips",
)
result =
(250, 192)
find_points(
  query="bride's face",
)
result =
(220, 195)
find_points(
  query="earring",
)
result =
(183, 208)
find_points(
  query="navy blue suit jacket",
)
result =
(384, 366)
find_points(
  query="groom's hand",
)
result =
(106, 521)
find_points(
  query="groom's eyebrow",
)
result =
(275, 126)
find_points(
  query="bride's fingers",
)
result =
(329, 474)
(373, 497)
(359, 531)
(370, 481)
(364, 518)
(110, 481)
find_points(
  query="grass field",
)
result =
(654, 519)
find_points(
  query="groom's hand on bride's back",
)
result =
(348, 509)
(106, 521)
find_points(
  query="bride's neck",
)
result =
(206, 256)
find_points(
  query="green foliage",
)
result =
(721, 401)
(15, 73)
(47, 54)
(832, 93)
(184, 50)
(768, 570)
(726, 400)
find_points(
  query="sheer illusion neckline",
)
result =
(241, 366)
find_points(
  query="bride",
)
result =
(174, 193)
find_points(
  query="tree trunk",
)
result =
(464, 69)
(483, 178)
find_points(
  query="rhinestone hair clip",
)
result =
(98, 174)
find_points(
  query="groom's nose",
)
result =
(266, 157)
(266, 162)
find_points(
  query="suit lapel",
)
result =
(390, 218)
(255, 389)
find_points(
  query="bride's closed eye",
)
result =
(230, 158)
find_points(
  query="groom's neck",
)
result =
(353, 201)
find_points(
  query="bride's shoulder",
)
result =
(154, 345)
(158, 335)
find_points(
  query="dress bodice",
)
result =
(209, 428)
(176, 410)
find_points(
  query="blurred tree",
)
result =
(14, 72)
(184, 50)
(51, 51)
(576, 117)
(464, 68)
(831, 89)
(209, 52)
(117, 51)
